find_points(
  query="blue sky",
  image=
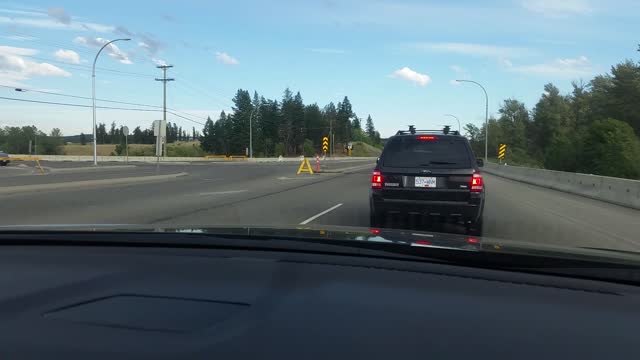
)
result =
(394, 59)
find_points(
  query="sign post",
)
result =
(502, 150)
(125, 132)
(325, 145)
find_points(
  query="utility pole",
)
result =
(164, 96)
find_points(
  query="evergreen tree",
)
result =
(369, 128)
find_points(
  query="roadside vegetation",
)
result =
(594, 129)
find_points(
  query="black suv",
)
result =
(428, 173)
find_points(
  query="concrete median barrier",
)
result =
(617, 191)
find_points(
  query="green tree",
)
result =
(83, 139)
(239, 139)
(612, 150)
(101, 133)
(207, 142)
(513, 122)
(369, 128)
(624, 93)
(308, 148)
(343, 127)
(315, 124)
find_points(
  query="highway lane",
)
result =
(271, 195)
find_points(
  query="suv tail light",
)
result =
(376, 180)
(477, 184)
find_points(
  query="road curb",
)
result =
(347, 169)
(87, 183)
(87, 168)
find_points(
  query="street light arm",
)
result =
(486, 118)
(458, 120)
(93, 97)
(99, 51)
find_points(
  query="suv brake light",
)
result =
(477, 185)
(376, 180)
(427, 137)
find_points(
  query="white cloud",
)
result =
(226, 59)
(558, 8)
(150, 44)
(15, 67)
(58, 14)
(479, 50)
(565, 68)
(10, 50)
(112, 49)
(326, 51)
(20, 38)
(52, 24)
(123, 31)
(69, 56)
(159, 62)
(411, 75)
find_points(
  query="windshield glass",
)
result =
(411, 151)
(516, 121)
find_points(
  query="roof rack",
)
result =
(412, 131)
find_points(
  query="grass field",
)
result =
(186, 149)
(103, 150)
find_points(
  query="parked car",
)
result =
(3, 158)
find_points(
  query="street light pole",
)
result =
(251, 133)
(455, 117)
(93, 96)
(486, 118)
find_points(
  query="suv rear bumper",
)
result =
(449, 209)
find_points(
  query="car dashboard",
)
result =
(163, 303)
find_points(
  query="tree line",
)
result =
(594, 129)
(15, 140)
(283, 127)
(115, 134)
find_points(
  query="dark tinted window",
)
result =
(443, 152)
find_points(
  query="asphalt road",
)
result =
(272, 195)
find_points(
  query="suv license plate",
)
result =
(425, 182)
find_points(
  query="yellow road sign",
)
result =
(502, 150)
(305, 166)
(325, 144)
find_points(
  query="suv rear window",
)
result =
(442, 152)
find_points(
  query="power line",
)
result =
(103, 100)
(98, 107)
(88, 68)
(76, 105)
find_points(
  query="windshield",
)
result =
(516, 121)
(411, 151)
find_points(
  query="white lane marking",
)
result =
(320, 214)
(222, 192)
